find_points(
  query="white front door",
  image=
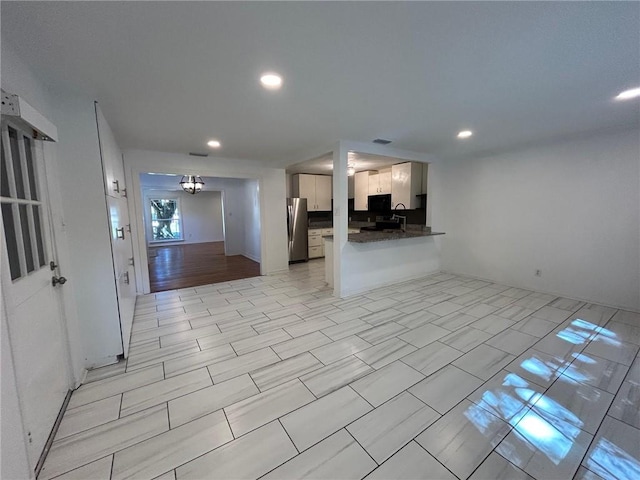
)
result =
(37, 333)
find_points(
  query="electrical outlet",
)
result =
(538, 273)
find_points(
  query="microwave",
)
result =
(379, 203)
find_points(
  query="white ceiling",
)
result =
(171, 75)
(360, 161)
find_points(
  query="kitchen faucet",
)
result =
(400, 217)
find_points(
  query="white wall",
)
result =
(201, 215)
(271, 196)
(570, 209)
(252, 220)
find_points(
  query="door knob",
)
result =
(58, 280)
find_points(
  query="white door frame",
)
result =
(137, 216)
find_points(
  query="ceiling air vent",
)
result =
(382, 141)
(194, 154)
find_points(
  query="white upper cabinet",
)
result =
(317, 189)
(380, 183)
(385, 181)
(324, 186)
(112, 164)
(304, 186)
(406, 185)
(361, 191)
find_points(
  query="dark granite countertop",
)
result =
(317, 225)
(412, 231)
(327, 224)
(384, 235)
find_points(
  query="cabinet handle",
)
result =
(116, 186)
(125, 278)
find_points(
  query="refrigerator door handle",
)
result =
(290, 221)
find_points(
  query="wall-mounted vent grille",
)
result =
(195, 154)
(382, 141)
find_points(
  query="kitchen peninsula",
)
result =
(375, 258)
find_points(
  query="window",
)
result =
(166, 224)
(22, 211)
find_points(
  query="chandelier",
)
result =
(191, 184)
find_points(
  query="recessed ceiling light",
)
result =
(271, 81)
(214, 144)
(629, 94)
(465, 134)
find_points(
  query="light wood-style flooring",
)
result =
(443, 377)
(190, 265)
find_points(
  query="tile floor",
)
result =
(439, 378)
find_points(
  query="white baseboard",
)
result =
(251, 257)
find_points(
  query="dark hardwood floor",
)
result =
(191, 265)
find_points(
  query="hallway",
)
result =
(191, 265)
(442, 377)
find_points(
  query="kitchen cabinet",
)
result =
(380, 183)
(317, 189)
(406, 184)
(370, 183)
(361, 190)
(316, 243)
(317, 240)
(120, 227)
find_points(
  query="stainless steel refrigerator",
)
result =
(297, 226)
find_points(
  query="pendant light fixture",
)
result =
(191, 184)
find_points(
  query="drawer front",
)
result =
(327, 231)
(354, 230)
(315, 240)
(315, 252)
(314, 231)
